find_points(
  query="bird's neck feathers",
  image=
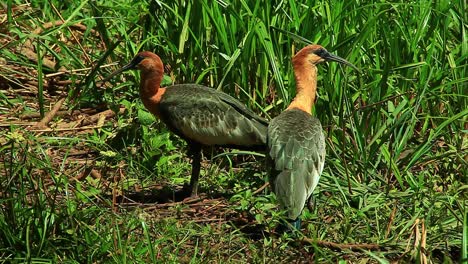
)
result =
(306, 85)
(150, 79)
(150, 90)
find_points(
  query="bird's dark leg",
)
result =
(195, 152)
(289, 226)
(311, 203)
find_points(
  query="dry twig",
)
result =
(49, 116)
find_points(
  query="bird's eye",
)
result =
(320, 52)
(138, 59)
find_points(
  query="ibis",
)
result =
(200, 115)
(295, 140)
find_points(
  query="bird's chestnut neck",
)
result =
(306, 83)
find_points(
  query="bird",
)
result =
(200, 115)
(295, 140)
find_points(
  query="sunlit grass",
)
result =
(396, 131)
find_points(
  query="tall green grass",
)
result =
(396, 132)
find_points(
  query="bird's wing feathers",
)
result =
(296, 151)
(241, 108)
(211, 117)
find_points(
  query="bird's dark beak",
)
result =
(130, 66)
(332, 57)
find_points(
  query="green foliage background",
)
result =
(396, 131)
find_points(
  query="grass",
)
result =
(89, 186)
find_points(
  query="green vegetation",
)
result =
(94, 185)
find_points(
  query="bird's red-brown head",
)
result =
(147, 62)
(315, 54)
(305, 71)
(151, 74)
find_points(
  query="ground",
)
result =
(88, 175)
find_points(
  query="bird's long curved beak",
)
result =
(332, 57)
(127, 67)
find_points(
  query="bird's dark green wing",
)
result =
(296, 154)
(241, 108)
(210, 117)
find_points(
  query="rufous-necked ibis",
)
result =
(296, 143)
(201, 115)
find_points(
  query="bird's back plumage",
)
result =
(210, 117)
(296, 153)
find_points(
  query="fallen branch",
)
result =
(19, 123)
(28, 48)
(50, 115)
(31, 55)
(76, 71)
(261, 188)
(66, 129)
(105, 114)
(37, 115)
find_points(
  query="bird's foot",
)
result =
(189, 192)
(290, 227)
